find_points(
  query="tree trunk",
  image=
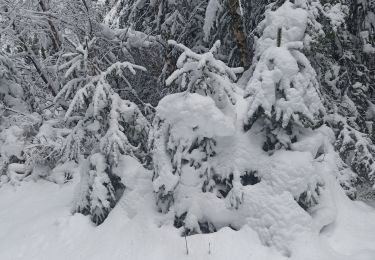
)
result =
(239, 31)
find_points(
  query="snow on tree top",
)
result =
(291, 20)
(187, 112)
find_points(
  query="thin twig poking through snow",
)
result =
(279, 34)
(186, 245)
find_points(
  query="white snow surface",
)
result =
(185, 111)
(36, 223)
(292, 21)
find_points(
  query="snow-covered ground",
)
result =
(36, 223)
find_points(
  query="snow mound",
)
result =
(194, 112)
(181, 120)
(290, 171)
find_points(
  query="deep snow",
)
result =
(36, 223)
(36, 220)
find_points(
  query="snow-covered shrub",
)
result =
(12, 142)
(45, 148)
(96, 193)
(17, 125)
(16, 133)
(44, 153)
(184, 136)
(63, 173)
(283, 93)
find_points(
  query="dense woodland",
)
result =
(190, 89)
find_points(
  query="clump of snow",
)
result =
(292, 21)
(315, 141)
(63, 172)
(368, 48)
(336, 14)
(290, 171)
(185, 117)
(11, 95)
(14, 130)
(275, 216)
(129, 170)
(212, 11)
(193, 112)
(12, 141)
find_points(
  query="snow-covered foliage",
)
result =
(203, 74)
(183, 142)
(11, 92)
(336, 53)
(94, 99)
(252, 160)
(357, 152)
(104, 121)
(205, 186)
(96, 194)
(100, 116)
(46, 146)
(17, 125)
(185, 132)
(205, 179)
(16, 132)
(284, 91)
(196, 24)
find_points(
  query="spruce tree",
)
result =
(183, 146)
(105, 122)
(283, 94)
(105, 126)
(338, 54)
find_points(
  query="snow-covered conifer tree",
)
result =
(357, 152)
(184, 135)
(336, 49)
(283, 93)
(196, 24)
(205, 75)
(107, 126)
